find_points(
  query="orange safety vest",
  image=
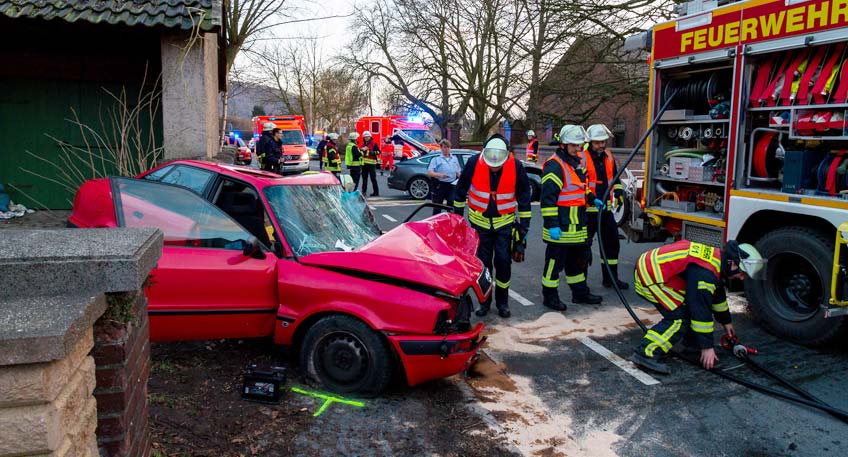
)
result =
(592, 174)
(481, 188)
(658, 270)
(531, 154)
(573, 192)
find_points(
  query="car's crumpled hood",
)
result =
(438, 252)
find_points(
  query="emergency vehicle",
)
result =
(754, 147)
(295, 155)
(382, 127)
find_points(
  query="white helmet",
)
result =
(268, 126)
(333, 136)
(598, 132)
(531, 133)
(495, 152)
(751, 260)
(353, 136)
(572, 134)
(366, 134)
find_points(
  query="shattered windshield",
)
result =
(321, 218)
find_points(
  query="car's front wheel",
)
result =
(419, 188)
(346, 355)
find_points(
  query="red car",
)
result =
(253, 254)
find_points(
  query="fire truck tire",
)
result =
(622, 213)
(345, 355)
(788, 302)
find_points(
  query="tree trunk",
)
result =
(225, 100)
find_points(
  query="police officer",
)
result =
(497, 190)
(353, 159)
(331, 155)
(563, 205)
(601, 168)
(532, 147)
(685, 282)
(370, 155)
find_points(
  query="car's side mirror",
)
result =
(253, 250)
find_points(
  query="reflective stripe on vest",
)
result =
(480, 192)
(573, 192)
(659, 269)
(369, 155)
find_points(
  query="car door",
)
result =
(204, 286)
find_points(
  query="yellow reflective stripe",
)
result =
(550, 282)
(550, 211)
(575, 279)
(655, 343)
(552, 177)
(617, 187)
(658, 277)
(502, 285)
(591, 209)
(574, 215)
(570, 237)
(662, 298)
(702, 326)
(673, 255)
(546, 278)
(459, 204)
(704, 285)
(720, 307)
(610, 261)
(525, 214)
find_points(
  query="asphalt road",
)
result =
(551, 391)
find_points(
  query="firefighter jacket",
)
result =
(333, 159)
(266, 149)
(370, 152)
(601, 169)
(353, 157)
(563, 198)
(494, 198)
(533, 150)
(686, 273)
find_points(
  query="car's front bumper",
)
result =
(428, 357)
(294, 167)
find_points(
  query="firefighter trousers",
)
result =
(369, 171)
(667, 332)
(355, 174)
(568, 257)
(494, 252)
(609, 239)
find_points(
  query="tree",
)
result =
(258, 110)
(341, 95)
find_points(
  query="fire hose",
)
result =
(742, 352)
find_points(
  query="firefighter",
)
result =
(387, 157)
(601, 168)
(685, 281)
(331, 153)
(563, 205)
(370, 154)
(532, 146)
(320, 151)
(497, 191)
(264, 143)
(273, 152)
(353, 159)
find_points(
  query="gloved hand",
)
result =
(599, 204)
(555, 233)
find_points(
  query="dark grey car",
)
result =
(411, 175)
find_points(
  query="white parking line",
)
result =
(389, 218)
(519, 298)
(628, 368)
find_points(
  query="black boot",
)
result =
(551, 299)
(502, 300)
(608, 281)
(650, 363)
(504, 312)
(588, 299)
(484, 308)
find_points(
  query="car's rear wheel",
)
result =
(419, 188)
(535, 190)
(346, 355)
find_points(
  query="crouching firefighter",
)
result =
(601, 168)
(564, 198)
(685, 281)
(497, 189)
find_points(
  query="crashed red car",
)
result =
(252, 254)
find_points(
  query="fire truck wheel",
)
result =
(788, 301)
(346, 356)
(622, 213)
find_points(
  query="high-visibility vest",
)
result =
(349, 162)
(531, 153)
(573, 192)
(592, 174)
(659, 270)
(369, 155)
(481, 191)
(333, 160)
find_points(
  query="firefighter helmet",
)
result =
(333, 136)
(572, 134)
(353, 136)
(598, 132)
(495, 151)
(268, 126)
(366, 134)
(747, 258)
(531, 134)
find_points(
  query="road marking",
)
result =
(389, 218)
(628, 368)
(519, 298)
(372, 208)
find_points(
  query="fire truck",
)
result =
(295, 155)
(382, 127)
(753, 146)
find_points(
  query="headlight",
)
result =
(305, 155)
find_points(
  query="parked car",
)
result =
(411, 175)
(249, 254)
(239, 151)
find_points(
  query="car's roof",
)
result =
(261, 178)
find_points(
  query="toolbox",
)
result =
(263, 383)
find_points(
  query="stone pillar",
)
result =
(53, 313)
(190, 96)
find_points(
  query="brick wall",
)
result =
(47, 408)
(122, 354)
